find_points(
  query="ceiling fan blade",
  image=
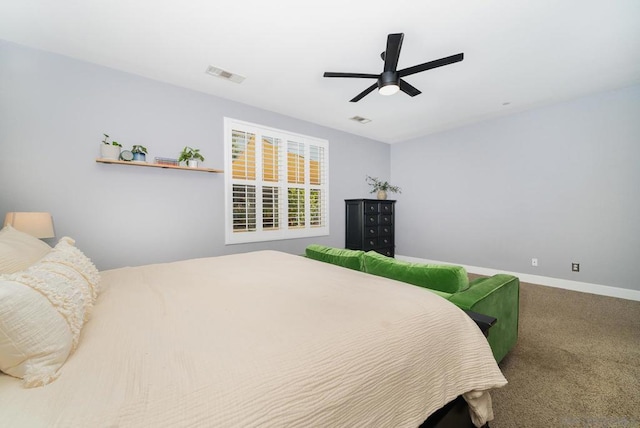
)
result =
(408, 89)
(362, 94)
(391, 55)
(359, 75)
(431, 64)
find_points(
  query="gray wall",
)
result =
(53, 112)
(559, 183)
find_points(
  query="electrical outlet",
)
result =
(534, 262)
(575, 267)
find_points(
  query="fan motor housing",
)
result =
(388, 78)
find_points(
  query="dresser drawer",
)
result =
(389, 252)
(377, 231)
(376, 219)
(370, 244)
(384, 230)
(372, 231)
(375, 243)
(385, 207)
(378, 207)
(370, 208)
(371, 219)
(385, 241)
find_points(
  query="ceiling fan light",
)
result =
(388, 83)
(389, 89)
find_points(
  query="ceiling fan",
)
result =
(390, 80)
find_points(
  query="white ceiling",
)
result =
(525, 53)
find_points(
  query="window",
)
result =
(276, 184)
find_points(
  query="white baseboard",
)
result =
(584, 287)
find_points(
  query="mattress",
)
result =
(261, 339)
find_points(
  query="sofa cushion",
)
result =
(446, 278)
(351, 259)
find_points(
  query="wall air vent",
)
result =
(223, 74)
(360, 119)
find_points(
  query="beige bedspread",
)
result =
(262, 339)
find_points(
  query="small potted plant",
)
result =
(110, 150)
(190, 156)
(381, 187)
(139, 153)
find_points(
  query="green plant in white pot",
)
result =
(190, 156)
(381, 187)
(110, 150)
(139, 153)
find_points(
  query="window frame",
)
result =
(283, 185)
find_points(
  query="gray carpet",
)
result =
(576, 364)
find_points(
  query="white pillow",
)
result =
(35, 340)
(66, 257)
(19, 250)
(42, 311)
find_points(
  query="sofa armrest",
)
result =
(499, 297)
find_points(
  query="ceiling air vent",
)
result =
(223, 74)
(360, 119)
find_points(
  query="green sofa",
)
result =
(496, 296)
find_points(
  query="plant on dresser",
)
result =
(381, 187)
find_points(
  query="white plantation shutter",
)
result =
(318, 196)
(243, 172)
(276, 184)
(272, 170)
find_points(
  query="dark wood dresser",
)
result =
(370, 225)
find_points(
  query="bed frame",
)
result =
(455, 414)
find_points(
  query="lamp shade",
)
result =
(39, 225)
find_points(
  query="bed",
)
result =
(260, 339)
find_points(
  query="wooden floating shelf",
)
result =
(157, 165)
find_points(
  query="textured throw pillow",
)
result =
(35, 340)
(446, 278)
(42, 311)
(351, 259)
(68, 260)
(19, 250)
